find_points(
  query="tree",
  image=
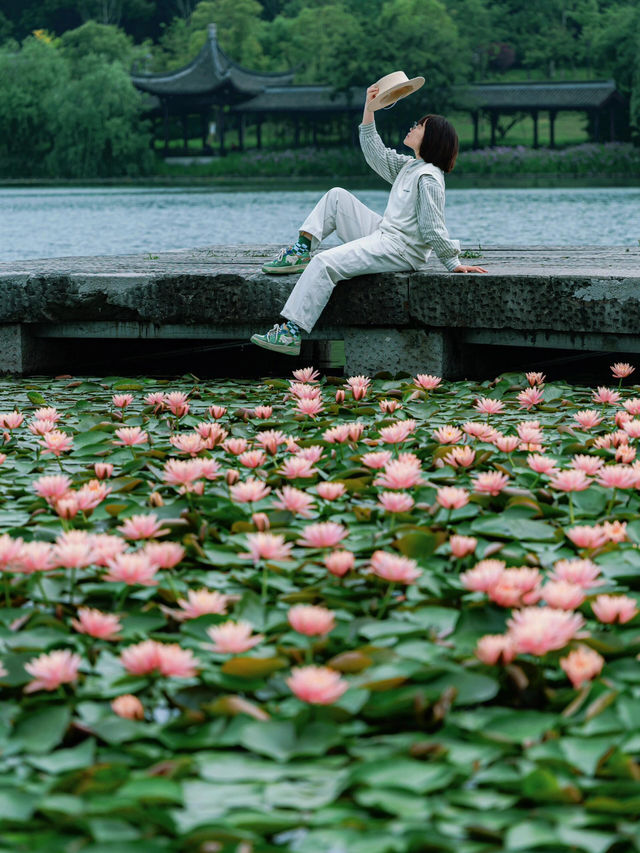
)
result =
(60, 123)
(615, 43)
(29, 78)
(240, 31)
(239, 28)
(324, 43)
(100, 40)
(479, 39)
(6, 28)
(420, 37)
(97, 126)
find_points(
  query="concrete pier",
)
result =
(579, 298)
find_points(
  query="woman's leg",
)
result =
(340, 211)
(370, 254)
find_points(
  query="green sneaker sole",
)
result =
(285, 349)
(288, 270)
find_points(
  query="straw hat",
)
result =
(393, 87)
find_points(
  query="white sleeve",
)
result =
(430, 210)
(385, 161)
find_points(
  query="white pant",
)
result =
(365, 249)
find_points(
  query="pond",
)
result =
(56, 222)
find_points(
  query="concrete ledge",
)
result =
(580, 298)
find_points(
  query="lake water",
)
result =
(57, 222)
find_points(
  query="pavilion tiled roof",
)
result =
(211, 71)
(302, 99)
(579, 95)
(501, 96)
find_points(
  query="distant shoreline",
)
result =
(469, 181)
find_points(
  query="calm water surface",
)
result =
(44, 222)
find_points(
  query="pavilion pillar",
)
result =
(534, 116)
(241, 131)
(296, 132)
(185, 132)
(612, 124)
(259, 133)
(314, 133)
(476, 133)
(552, 135)
(221, 130)
(204, 128)
(596, 125)
(494, 126)
(165, 125)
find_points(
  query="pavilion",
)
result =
(204, 87)
(213, 85)
(598, 98)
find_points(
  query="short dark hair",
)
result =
(439, 143)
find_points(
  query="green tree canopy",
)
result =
(54, 121)
(101, 40)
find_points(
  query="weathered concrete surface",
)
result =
(584, 297)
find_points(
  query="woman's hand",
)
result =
(368, 116)
(462, 268)
(372, 91)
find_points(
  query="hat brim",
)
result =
(395, 93)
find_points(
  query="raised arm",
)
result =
(385, 161)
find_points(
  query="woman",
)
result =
(402, 239)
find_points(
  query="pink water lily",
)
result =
(295, 501)
(268, 546)
(103, 626)
(131, 436)
(311, 620)
(324, 534)
(143, 527)
(339, 562)
(394, 568)
(535, 378)
(426, 381)
(538, 630)
(249, 491)
(201, 602)
(494, 648)
(621, 369)
(317, 685)
(132, 569)
(582, 664)
(51, 670)
(233, 638)
(451, 497)
(614, 608)
(330, 491)
(128, 706)
(461, 546)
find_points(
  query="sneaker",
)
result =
(279, 339)
(287, 261)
